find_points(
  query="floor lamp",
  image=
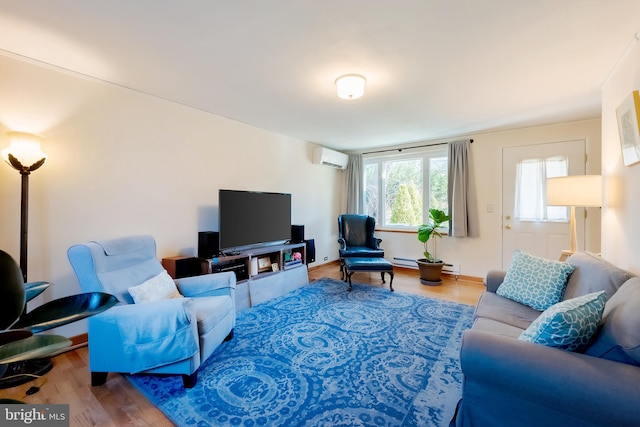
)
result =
(24, 155)
(572, 191)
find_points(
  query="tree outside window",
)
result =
(439, 183)
(403, 192)
(399, 189)
(371, 192)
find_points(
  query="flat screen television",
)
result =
(252, 218)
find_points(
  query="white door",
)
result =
(548, 236)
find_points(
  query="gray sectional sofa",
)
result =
(509, 382)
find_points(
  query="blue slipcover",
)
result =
(172, 336)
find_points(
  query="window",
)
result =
(400, 189)
(531, 189)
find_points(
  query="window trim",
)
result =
(426, 153)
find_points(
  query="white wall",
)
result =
(476, 256)
(620, 225)
(121, 162)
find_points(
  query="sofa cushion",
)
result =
(536, 282)
(593, 274)
(211, 310)
(504, 310)
(618, 337)
(496, 327)
(569, 324)
(361, 252)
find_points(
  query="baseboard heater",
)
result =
(453, 269)
(405, 262)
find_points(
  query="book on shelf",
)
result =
(292, 263)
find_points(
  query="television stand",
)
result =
(263, 272)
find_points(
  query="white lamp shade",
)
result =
(25, 147)
(350, 86)
(576, 190)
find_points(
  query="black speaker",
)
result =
(311, 250)
(208, 244)
(297, 233)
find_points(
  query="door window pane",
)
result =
(557, 166)
(531, 189)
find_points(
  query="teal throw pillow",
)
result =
(536, 282)
(568, 325)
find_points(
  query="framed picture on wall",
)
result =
(628, 114)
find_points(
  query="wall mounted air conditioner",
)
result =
(328, 157)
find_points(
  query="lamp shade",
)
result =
(576, 190)
(25, 148)
(350, 86)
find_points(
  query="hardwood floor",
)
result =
(118, 403)
(464, 290)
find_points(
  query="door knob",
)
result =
(507, 217)
(508, 226)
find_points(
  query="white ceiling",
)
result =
(434, 68)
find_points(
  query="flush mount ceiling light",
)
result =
(350, 86)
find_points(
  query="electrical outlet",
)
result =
(326, 258)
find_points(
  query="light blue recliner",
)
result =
(167, 336)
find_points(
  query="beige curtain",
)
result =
(354, 184)
(462, 197)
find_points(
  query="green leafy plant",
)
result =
(437, 217)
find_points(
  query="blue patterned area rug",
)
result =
(322, 356)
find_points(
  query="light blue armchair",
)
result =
(165, 336)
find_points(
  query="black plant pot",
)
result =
(430, 272)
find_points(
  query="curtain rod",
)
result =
(408, 148)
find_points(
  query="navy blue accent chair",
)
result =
(356, 238)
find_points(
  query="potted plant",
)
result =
(430, 266)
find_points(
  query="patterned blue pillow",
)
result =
(536, 282)
(568, 325)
